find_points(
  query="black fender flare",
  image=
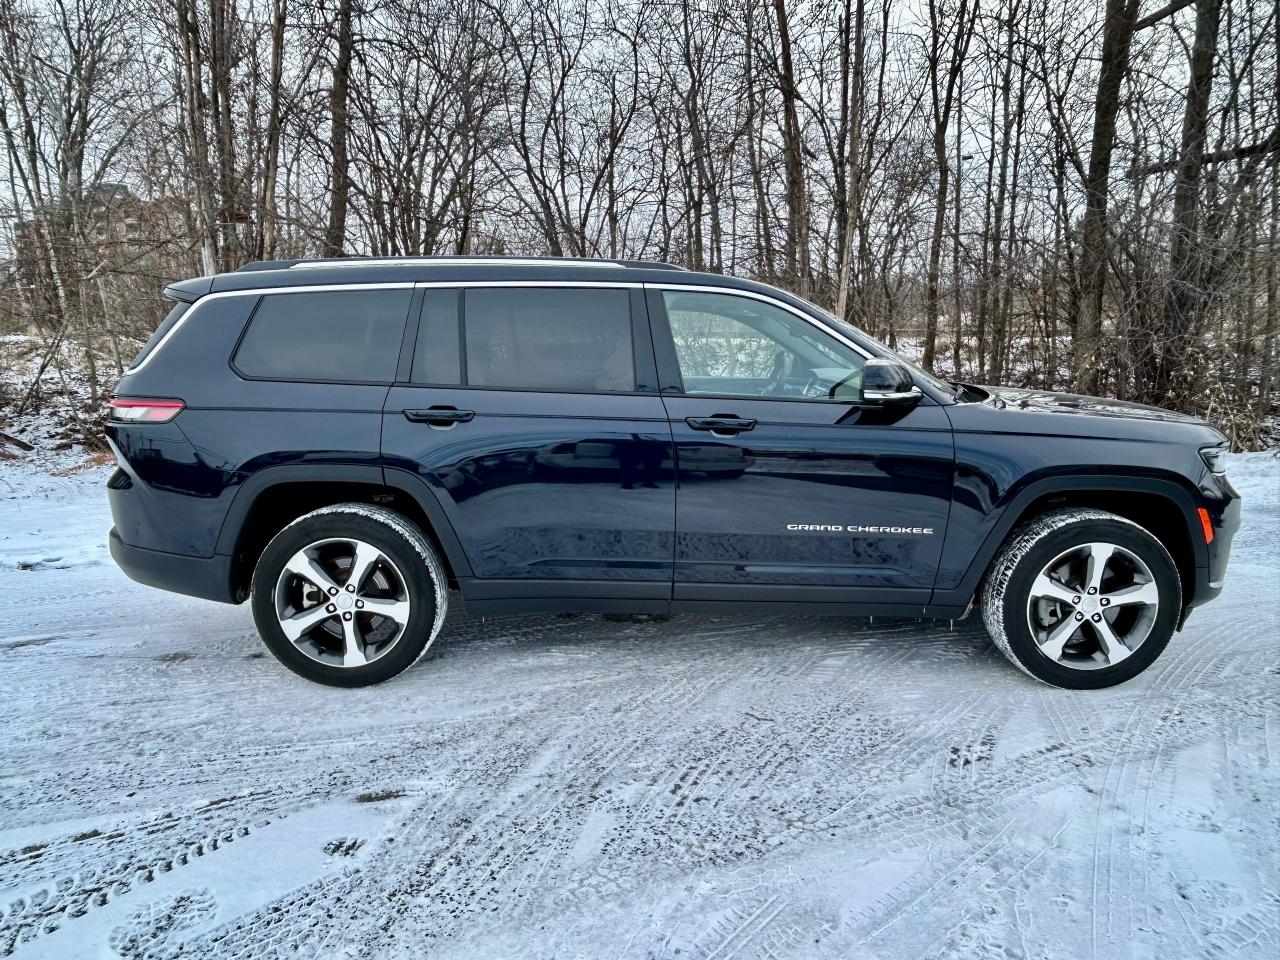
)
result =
(429, 500)
(266, 478)
(1075, 483)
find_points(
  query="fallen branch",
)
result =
(20, 444)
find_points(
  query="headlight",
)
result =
(1214, 459)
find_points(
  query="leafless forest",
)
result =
(1057, 193)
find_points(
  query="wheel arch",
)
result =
(1164, 508)
(274, 497)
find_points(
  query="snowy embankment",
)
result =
(571, 787)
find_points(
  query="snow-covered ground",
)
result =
(575, 787)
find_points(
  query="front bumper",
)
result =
(1210, 576)
(206, 577)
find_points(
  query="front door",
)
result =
(785, 480)
(533, 413)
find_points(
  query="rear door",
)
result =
(532, 411)
(785, 481)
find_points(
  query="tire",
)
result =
(1042, 615)
(380, 625)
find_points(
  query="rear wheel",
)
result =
(1082, 598)
(349, 595)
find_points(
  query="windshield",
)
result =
(919, 372)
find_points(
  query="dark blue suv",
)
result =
(347, 441)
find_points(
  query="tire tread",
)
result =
(1023, 540)
(414, 537)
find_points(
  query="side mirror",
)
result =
(887, 383)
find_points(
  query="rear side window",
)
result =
(167, 324)
(344, 335)
(437, 358)
(549, 339)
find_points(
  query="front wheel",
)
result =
(349, 595)
(1082, 598)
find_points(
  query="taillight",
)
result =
(137, 410)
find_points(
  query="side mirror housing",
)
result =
(887, 383)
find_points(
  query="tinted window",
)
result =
(437, 356)
(548, 339)
(166, 325)
(739, 346)
(348, 335)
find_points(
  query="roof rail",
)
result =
(255, 265)
(453, 261)
(339, 262)
(650, 265)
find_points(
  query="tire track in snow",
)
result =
(1152, 712)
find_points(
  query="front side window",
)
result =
(742, 347)
(548, 339)
(350, 336)
(919, 372)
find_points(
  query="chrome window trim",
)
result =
(772, 301)
(390, 285)
(456, 284)
(408, 285)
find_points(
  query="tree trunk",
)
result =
(339, 131)
(797, 252)
(1185, 296)
(222, 41)
(941, 121)
(765, 256)
(1269, 359)
(957, 317)
(1117, 34)
(853, 176)
(197, 133)
(268, 213)
(997, 284)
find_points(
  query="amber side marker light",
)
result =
(1206, 524)
(141, 410)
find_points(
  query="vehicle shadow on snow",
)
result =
(675, 638)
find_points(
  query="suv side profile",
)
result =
(345, 442)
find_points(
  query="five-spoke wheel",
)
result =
(349, 595)
(1092, 606)
(342, 602)
(1082, 598)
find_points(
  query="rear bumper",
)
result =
(206, 577)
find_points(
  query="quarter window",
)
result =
(549, 339)
(742, 347)
(341, 335)
(167, 324)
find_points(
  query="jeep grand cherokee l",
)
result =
(344, 442)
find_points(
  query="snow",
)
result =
(576, 787)
(58, 414)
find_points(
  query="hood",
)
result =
(1044, 401)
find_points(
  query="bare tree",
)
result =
(1079, 194)
(944, 77)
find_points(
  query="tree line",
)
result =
(1075, 194)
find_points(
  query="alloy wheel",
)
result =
(342, 602)
(1092, 606)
